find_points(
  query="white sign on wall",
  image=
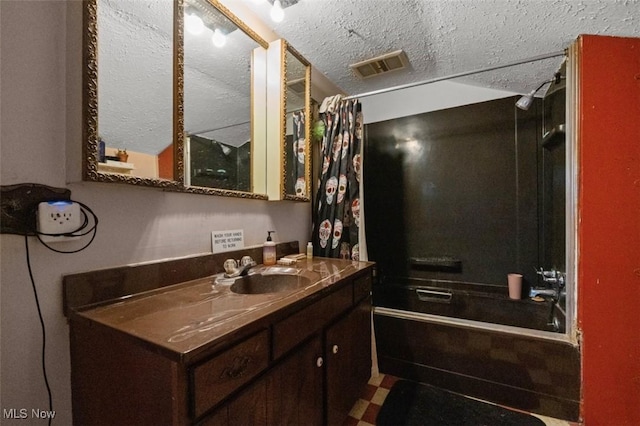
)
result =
(222, 241)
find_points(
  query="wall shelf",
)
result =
(116, 167)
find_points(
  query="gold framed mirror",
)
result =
(289, 123)
(132, 113)
(135, 104)
(223, 99)
(296, 168)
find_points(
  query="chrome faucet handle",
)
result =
(552, 277)
(247, 261)
(546, 274)
(230, 266)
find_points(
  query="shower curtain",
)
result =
(337, 211)
(296, 156)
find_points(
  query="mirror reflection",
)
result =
(135, 84)
(217, 99)
(296, 173)
(165, 76)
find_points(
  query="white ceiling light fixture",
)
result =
(277, 8)
(201, 18)
(218, 38)
(193, 24)
(277, 12)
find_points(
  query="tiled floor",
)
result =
(366, 409)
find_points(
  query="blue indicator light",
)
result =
(61, 203)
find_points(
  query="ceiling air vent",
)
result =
(381, 65)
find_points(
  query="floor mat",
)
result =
(416, 404)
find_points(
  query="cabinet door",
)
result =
(294, 388)
(348, 361)
(248, 408)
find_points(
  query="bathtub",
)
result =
(469, 301)
(472, 339)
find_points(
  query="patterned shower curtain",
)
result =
(296, 157)
(337, 218)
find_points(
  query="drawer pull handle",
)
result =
(237, 369)
(319, 362)
(334, 349)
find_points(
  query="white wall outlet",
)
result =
(58, 217)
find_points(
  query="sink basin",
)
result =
(270, 283)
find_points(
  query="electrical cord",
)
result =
(85, 210)
(44, 336)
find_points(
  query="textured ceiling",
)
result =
(135, 77)
(445, 37)
(440, 38)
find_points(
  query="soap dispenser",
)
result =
(269, 251)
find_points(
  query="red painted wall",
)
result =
(165, 163)
(609, 229)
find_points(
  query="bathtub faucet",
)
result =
(553, 277)
(544, 292)
(555, 283)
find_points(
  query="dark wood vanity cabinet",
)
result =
(248, 408)
(348, 361)
(328, 369)
(340, 358)
(291, 393)
(294, 387)
(307, 365)
(217, 377)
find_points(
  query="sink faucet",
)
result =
(555, 283)
(233, 268)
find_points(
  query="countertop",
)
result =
(185, 318)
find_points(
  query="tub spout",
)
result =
(544, 292)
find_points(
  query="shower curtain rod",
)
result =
(462, 74)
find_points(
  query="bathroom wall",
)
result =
(430, 97)
(40, 113)
(146, 165)
(609, 229)
(459, 183)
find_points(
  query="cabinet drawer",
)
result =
(293, 330)
(216, 378)
(361, 288)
